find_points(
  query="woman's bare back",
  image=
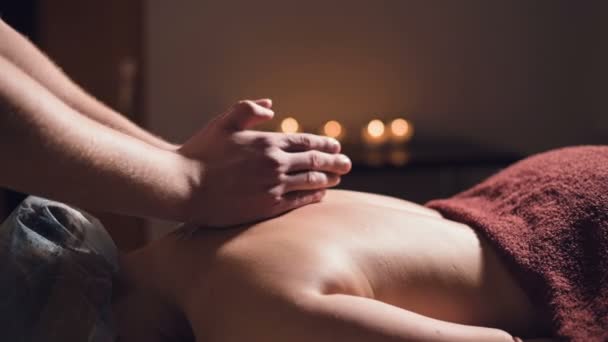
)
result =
(356, 245)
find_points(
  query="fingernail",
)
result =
(334, 142)
(343, 160)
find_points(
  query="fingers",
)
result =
(247, 114)
(298, 142)
(296, 199)
(318, 161)
(312, 180)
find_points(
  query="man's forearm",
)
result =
(23, 54)
(51, 150)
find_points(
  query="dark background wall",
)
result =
(21, 15)
(94, 41)
(598, 71)
(517, 75)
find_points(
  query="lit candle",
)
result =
(334, 129)
(401, 130)
(290, 125)
(374, 133)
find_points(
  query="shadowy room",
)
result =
(427, 98)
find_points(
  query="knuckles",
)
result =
(263, 142)
(316, 178)
(275, 196)
(274, 161)
(306, 140)
(315, 160)
(301, 140)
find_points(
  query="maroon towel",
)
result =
(548, 216)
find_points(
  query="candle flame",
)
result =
(400, 127)
(332, 129)
(290, 125)
(375, 128)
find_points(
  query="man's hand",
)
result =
(243, 176)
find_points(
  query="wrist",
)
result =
(188, 185)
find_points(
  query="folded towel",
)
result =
(547, 215)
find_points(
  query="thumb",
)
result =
(266, 103)
(247, 114)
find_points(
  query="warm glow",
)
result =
(375, 128)
(399, 157)
(400, 127)
(332, 129)
(290, 125)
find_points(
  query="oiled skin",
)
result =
(324, 273)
